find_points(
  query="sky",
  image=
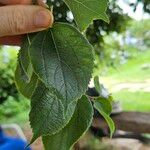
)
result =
(138, 15)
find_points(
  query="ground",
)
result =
(130, 83)
(88, 142)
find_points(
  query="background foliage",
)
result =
(7, 67)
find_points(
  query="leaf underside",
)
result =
(85, 11)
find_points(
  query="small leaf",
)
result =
(24, 87)
(62, 58)
(104, 108)
(78, 125)
(23, 57)
(97, 84)
(47, 112)
(25, 79)
(105, 104)
(85, 11)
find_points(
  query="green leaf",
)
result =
(62, 58)
(25, 79)
(78, 125)
(85, 11)
(47, 111)
(97, 84)
(24, 87)
(104, 108)
(104, 104)
(24, 59)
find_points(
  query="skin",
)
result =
(18, 17)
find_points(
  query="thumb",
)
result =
(20, 19)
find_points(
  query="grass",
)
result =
(131, 71)
(15, 111)
(137, 101)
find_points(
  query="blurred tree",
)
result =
(7, 68)
(141, 31)
(95, 32)
(146, 5)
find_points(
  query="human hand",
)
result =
(18, 17)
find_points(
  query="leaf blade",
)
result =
(68, 75)
(47, 112)
(97, 84)
(104, 108)
(77, 126)
(86, 11)
(25, 78)
(24, 87)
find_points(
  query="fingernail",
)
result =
(43, 3)
(43, 19)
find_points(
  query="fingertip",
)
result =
(43, 19)
(51, 19)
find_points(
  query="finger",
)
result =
(11, 40)
(7, 2)
(20, 19)
(14, 2)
